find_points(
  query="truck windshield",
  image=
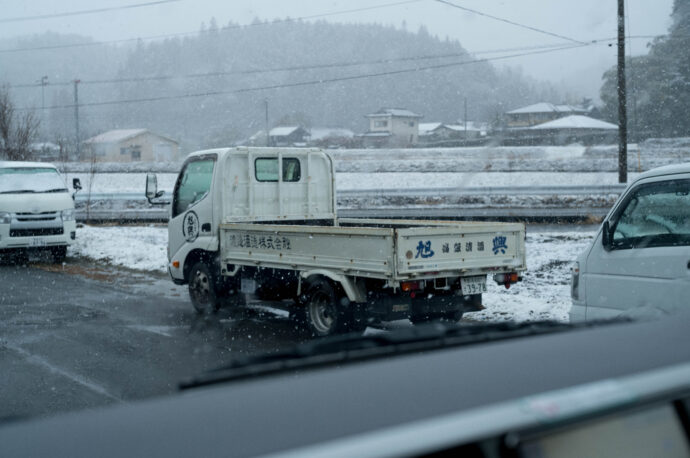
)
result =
(193, 184)
(30, 179)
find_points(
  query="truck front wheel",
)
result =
(203, 290)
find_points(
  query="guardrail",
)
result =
(420, 192)
(570, 210)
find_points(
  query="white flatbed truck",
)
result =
(263, 222)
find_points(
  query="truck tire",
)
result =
(203, 289)
(323, 315)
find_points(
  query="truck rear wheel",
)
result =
(203, 289)
(323, 314)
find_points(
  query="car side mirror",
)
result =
(76, 184)
(606, 236)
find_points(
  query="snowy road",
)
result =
(109, 327)
(544, 293)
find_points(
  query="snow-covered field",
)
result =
(543, 294)
(107, 183)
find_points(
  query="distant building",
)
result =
(540, 113)
(47, 151)
(330, 137)
(288, 136)
(130, 145)
(391, 127)
(575, 129)
(440, 134)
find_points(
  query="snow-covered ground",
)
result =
(543, 294)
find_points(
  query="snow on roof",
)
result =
(665, 170)
(114, 136)
(575, 122)
(282, 131)
(321, 133)
(544, 107)
(428, 127)
(12, 164)
(471, 126)
(399, 112)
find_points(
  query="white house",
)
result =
(130, 145)
(392, 127)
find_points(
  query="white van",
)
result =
(36, 209)
(639, 263)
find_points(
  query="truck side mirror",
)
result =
(152, 191)
(151, 186)
(76, 184)
(606, 236)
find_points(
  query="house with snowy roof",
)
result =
(391, 127)
(330, 137)
(576, 129)
(288, 136)
(441, 134)
(130, 145)
(540, 113)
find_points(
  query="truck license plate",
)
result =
(37, 241)
(473, 285)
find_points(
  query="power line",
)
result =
(82, 12)
(229, 27)
(311, 82)
(524, 26)
(286, 69)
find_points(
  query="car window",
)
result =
(656, 214)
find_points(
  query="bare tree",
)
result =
(16, 132)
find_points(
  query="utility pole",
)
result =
(465, 119)
(76, 116)
(44, 83)
(622, 102)
(268, 138)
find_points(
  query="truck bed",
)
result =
(385, 249)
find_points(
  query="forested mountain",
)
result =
(658, 84)
(211, 88)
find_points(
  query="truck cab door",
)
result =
(191, 218)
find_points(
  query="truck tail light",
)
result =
(507, 279)
(410, 286)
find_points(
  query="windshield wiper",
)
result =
(356, 347)
(18, 191)
(56, 190)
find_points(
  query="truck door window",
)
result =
(266, 169)
(193, 185)
(657, 214)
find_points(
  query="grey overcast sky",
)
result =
(577, 71)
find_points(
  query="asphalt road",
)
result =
(83, 335)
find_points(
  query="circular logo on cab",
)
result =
(190, 226)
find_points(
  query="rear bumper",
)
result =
(404, 305)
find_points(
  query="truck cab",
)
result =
(234, 185)
(36, 210)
